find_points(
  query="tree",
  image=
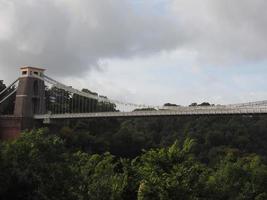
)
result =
(128, 142)
(144, 109)
(35, 166)
(204, 104)
(172, 173)
(41, 165)
(239, 178)
(38, 166)
(100, 176)
(193, 104)
(171, 104)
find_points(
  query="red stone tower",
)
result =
(30, 100)
(30, 96)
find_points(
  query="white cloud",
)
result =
(145, 51)
(70, 37)
(6, 19)
(224, 31)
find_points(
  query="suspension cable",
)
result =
(96, 97)
(8, 96)
(13, 83)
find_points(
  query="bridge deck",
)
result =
(179, 112)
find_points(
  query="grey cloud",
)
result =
(70, 37)
(225, 32)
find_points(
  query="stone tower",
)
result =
(30, 95)
(30, 100)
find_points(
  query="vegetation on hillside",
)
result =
(227, 161)
(207, 157)
(127, 138)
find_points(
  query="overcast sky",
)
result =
(142, 51)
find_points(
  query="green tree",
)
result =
(100, 176)
(239, 178)
(172, 173)
(36, 166)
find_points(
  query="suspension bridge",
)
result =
(35, 96)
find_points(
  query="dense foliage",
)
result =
(127, 138)
(7, 107)
(215, 158)
(194, 158)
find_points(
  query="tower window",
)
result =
(36, 73)
(24, 72)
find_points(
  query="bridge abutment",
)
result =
(11, 126)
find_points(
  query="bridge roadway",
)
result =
(182, 111)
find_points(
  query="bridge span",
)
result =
(186, 111)
(37, 97)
